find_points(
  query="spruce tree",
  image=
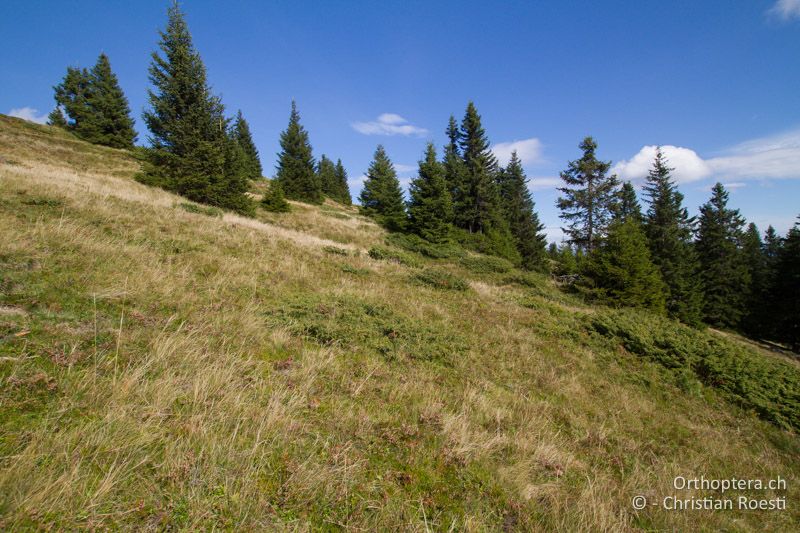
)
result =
(479, 209)
(723, 272)
(622, 270)
(382, 197)
(454, 173)
(274, 199)
(669, 231)
(326, 174)
(755, 260)
(191, 151)
(110, 122)
(628, 207)
(72, 95)
(57, 118)
(523, 221)
(243, 136)
(590, 197)
(296, 163)
(342, 189)
(786, 289)
(430, 209)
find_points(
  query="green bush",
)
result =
(200, 209)
(766, 385)
(485, 264)
(382, 253)
(350, 269)
(335, 250)
(415, 243)
(440, 279)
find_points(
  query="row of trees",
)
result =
(467, 196)
(708, 269)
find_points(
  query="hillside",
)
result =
(165, 365)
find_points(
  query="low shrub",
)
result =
(485, 264)
(200, 209)
(415, 243)
(382, 253)
(441, 279)
(335, 250)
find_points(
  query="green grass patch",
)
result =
(414, 243)
(335, 250)
(381, 253)
(484, 264)
(201, 209)
(350, 269)
(440, 279)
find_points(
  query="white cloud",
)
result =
(542, 183)
(528, 150)
(357, 181)
(28, 113)
(734, 185)
(389, 124)
(785, 9)
(773, 157)
(402, 169)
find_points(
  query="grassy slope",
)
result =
(161, 367)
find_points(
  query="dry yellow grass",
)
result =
(174, 375)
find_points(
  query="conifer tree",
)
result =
(382, 197)
(430, 210)
(342, 189)
(590, 197)
(110, 120)
(519, 211)
(723, 272)
(785, 291)
(479, 208)
(243, 136)
(628, 207)
(622, 269)
(755, 260)
(454, 173)
(274, 199)
(72, 95)
(296, 163)
(326, 174)
(191, 151)
(669, 231)
(57, 118)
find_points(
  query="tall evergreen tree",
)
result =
(110, 121)
(342, 189)
(755, 261)
(72, 95)
(519, 211)
(381, 196)
(724, 274)
(628, 207)
(57, 118)
(669, 231)
(786, 289)
(590, 197)
(622, 269)
(241, 131)
(430, 209)
(326, 174)
(191, 151)
(274, 199)
(454, 173)
(296, 164)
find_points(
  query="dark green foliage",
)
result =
(566, 261)
(97, 107)
(669, 232)
(622, 270)
(440, 279)
(382, 253)
(628, 207)
(454, 173)
(191, 150)
(590, 197)
(723, 272)
(357, 325)
(485, 264)
(381, 196)
(295, 171)
(756, 263)
(430, 210)
(274, 200)
(415, 243)
(479, 209)
(766, 385)
(519, 212)
(200, 209)
(341, 189)
(241, 132)
(335, 250)
(786, 290)
(326, 174)
(56, 118)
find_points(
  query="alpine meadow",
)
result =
(208, 323)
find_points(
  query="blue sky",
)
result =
(714, 82)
